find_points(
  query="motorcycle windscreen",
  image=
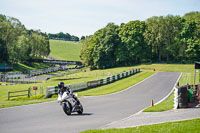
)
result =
(64, 96)
(59, 97)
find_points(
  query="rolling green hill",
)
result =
(65, 50)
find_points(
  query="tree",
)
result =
(99, 50)
(74, 38)
(86, 51)
(132, 39)
(172, 28)
(39, 45)
(162, 38)
(83, 37)
(194, 16)
(3, 46)
(62, 36)
(156, 36)
(17, 44)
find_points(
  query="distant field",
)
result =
(169, 67)
(65, 50)
(186, 69)
(22, 67)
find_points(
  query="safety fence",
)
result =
(26, 94)
(31, 91)
(92, 84)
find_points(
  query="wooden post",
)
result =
(194, 76)
(152, 104)
(8, 95)
(28, 92)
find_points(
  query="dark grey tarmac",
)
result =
(98, 111)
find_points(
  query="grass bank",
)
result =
(65, 50)
(188, 126)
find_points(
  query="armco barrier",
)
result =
(91, 84)
(51, 91)
(78, 86)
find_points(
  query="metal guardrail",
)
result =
(9, 93)
(91, 84)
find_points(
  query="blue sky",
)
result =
(84, 17)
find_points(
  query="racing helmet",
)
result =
(61, 84)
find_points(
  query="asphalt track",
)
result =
(98, 111)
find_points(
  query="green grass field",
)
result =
(188, 77)
(186, 69)
(169, 67)
(188, 126)
(65, 50)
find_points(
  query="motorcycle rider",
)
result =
(63, 89)
(67, 89)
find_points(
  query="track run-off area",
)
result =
(98, 110)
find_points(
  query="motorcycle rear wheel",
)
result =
(80, 110)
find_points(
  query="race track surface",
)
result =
(98, 111)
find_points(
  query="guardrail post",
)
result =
(8, 95)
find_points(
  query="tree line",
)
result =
(158, 39)
(62, 36)
(17, 44)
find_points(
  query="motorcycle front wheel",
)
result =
(67, 108)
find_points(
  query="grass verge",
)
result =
(163, 106)
(188, 126)
(24, 101)
(188, 77)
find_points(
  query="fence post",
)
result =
(46, 94)
(28, 92)
(8, 95)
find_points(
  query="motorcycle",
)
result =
(70, 103)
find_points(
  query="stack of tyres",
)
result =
(182, 97)
(118, 76)
(113, 78)
(108, 80)
(101, 81)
